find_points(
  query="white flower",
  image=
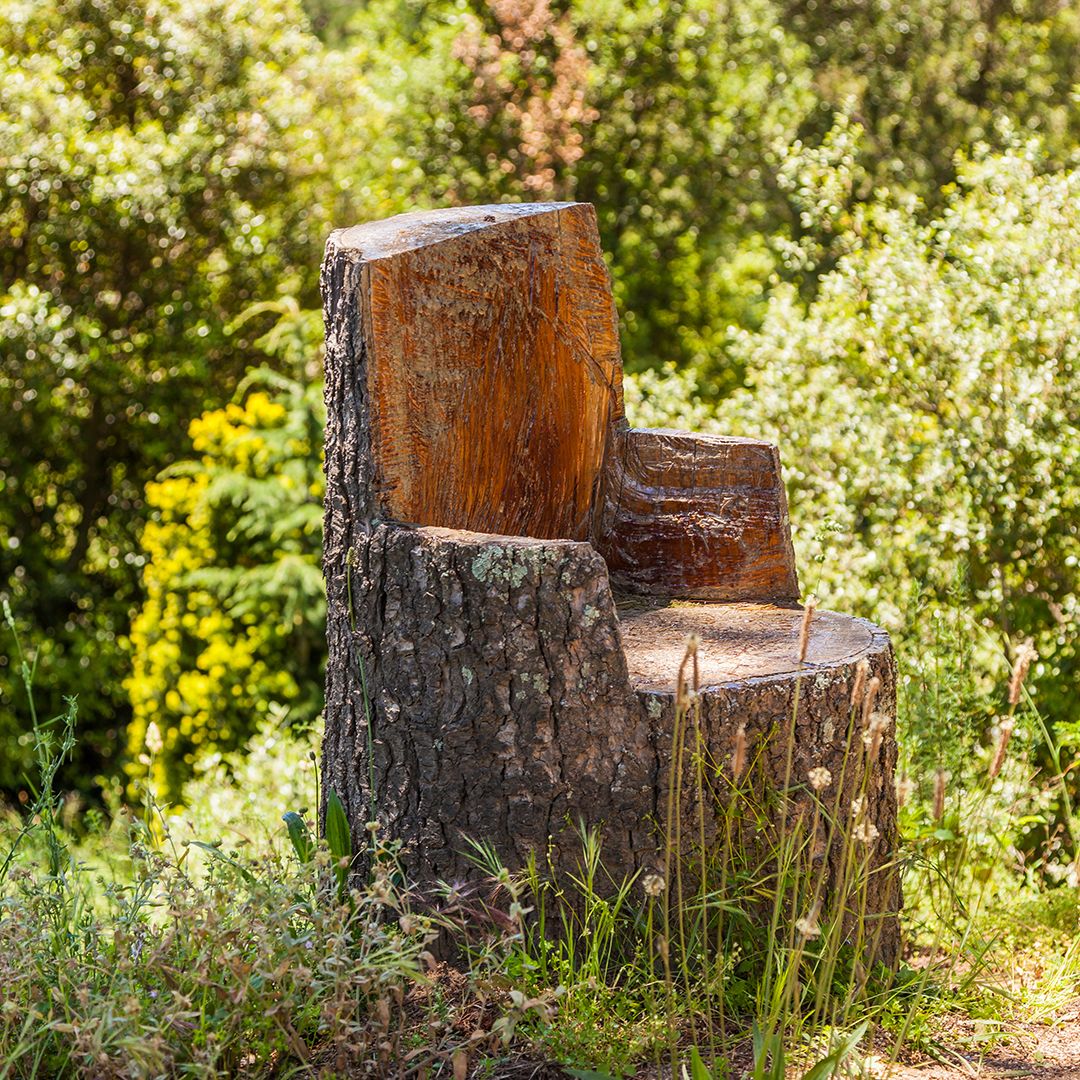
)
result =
(866, 832)
(819, 777)
(154, 742)
(653, 884)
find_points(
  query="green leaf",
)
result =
(338, 837)
(300, 836)
(767, 1047)
(827, 1066)
(698, 1069)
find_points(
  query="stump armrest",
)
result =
(500, 703)
(695, 516)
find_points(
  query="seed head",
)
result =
(738, 757)
(1007, 726)
(875, 732)
(820, 778)
(905, 786)
(862, 669)
(154, 742)
(872, 688)
(1024, 656)
(653, 884)
(686, 687)
(804, 630)
(808, 925)
(940, 778)
(866, 832)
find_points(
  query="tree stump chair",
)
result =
(513, 572)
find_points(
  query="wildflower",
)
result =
(866, 832)
(738, 758)
(804, 630)
(1024, 656)
(653, 884)
(857, 805)
(808, 925)
(1007, 726)
(154, 742)
(820, 778)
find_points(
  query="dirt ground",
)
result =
(1049, 1051)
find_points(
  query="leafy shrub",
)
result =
(232, 624)
(166, 163)
(926, 401)
(663, 115)
(929, 78)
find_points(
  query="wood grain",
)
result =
(492, 365)
(695, 516)
(736, 642)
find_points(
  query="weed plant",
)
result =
(129, 949)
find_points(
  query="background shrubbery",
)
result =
(851, 228)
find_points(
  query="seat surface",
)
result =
(737, 641)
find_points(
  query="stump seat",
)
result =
(737, 642)
(513, 571)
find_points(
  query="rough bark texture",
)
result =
(499, 700)
(506, 704)
(485, 686)
(782, 742)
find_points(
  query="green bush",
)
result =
(232, 625)
(927, 405)
(164, 165)
(665, 116)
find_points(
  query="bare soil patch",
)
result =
(1043, 1051)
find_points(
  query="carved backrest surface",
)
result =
(474, 382)
(491, 363)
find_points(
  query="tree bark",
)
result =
(483, 689)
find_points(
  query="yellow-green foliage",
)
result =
(232, 622)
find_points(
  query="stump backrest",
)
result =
(491, 364)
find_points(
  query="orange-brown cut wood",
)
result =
(493, 365)
(695, 516)
(493, 388)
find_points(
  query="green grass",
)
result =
(217, 939)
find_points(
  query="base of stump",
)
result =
(489, 688)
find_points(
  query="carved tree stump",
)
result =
(484, 494)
